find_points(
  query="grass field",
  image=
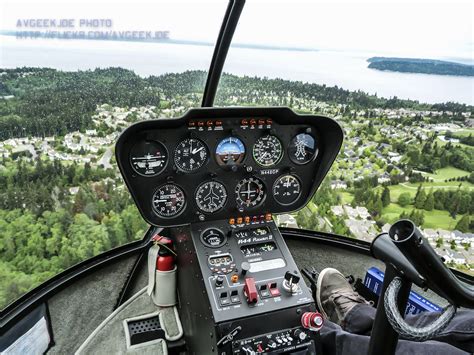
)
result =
(447, 173)
(464, 132)
(443, 143)
(433, 219)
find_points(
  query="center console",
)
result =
(242, 285)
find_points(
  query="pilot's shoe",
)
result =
(335, 295)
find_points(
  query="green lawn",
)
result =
(433, 219)
(346, 197)
(447, 173)
(464, 132)
(443, 143)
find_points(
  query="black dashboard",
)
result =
(240, 164)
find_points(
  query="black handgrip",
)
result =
(383, 248)
(410, 241)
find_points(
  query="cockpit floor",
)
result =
(313, 254)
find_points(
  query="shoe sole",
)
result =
(318, 291)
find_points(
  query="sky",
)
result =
(416, 28)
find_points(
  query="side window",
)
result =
(72, 77)
(406, 110)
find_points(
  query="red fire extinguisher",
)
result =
(165, 260)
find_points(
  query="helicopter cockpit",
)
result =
(217, 271)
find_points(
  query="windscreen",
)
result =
(398, 77)
(73, 75)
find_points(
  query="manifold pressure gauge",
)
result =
(168, 200)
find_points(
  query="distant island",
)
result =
(423, 66)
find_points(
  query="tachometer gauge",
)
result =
(250, 192)
(286, 190)
(302, 149)
(190, 155)
(148, 158)
(230, 151)
(267, 151)
(168, 201)
(211, 196)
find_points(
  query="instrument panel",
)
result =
(214, 164)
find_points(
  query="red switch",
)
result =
(250, 290)
(273, 288)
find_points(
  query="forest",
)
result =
(423, 66)
(44, 229)
(47, 102)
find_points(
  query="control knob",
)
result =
(219, 281)
(300, 334)
(244, 267)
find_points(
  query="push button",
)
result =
(273, 287)
(234, 297)
(224, 299)
(264, 293)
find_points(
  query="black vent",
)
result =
(144, 330)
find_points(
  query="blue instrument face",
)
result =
(230, 151)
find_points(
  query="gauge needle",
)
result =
(197, 150)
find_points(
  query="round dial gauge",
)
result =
(168, 200)
(190, 155)
(267, 151)
(250, 192)
(148, 158)
(286, 190)
(211, 196)
(213, 238)
(302, 149)
(230, 151)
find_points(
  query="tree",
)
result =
(385, 196)
(429, 202)
(463, 224)
(404, 199)
(439, 242)
(420, 197)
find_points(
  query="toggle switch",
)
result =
(250, 291)
(219, 281)
(290, 284)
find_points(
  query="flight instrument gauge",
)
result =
(249, 192)
(168, 201)
(213, 238)
(302, 149)
(286, 190)
(211, 196)
(148, 158)
(267, 151)
(230, 151)
(190, 155)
